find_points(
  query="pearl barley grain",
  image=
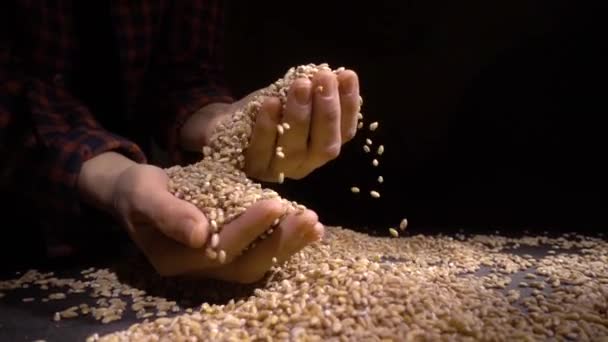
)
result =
(373, 126)
(374, 194)
(355, 190)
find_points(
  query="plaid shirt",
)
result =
(168, 65)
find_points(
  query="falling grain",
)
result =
(393, 232)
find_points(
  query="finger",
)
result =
(325, 139)
(349, 103)
(261, 149)
(292, 235)
(175, 218)
(245, 229)
(294, 141)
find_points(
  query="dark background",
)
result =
(491, 113)
(489, 110)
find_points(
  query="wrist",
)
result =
(98, 177)
(198, 128)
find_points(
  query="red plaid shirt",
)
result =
(56, 73)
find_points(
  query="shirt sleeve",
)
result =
(189, 70)
(57, 134)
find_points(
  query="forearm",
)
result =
(97, 178)
(197, 130)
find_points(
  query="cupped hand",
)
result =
(321, 115)
(174, 234)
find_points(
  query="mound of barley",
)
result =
(353, 287)
(217, 184)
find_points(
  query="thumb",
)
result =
(178, 219)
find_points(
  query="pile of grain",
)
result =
(355, 287)
(352, 286)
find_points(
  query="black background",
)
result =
(489, 111)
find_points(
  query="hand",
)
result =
(320, 123)
(172, 233)
(322, 116)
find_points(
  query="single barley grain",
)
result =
(373, 126)
(393, 232)
(221, 256)
(374, 194)
(403, 224)
(380, 179)
(215, 240)
(355, 190)
(211, 254)
(375, 162)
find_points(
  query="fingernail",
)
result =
(316, 233)
(303, 95)
(348, 86)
